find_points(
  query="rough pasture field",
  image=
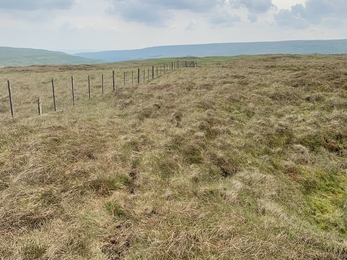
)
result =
(240, 158)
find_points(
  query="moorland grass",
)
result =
(241, 158)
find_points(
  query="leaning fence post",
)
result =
(10, 96)
(54, 101)
(39, 106)
(73, 91)
(113, 81)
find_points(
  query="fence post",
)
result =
(39, 106)
(54, 101)
(152, 72)
(138, 76)
(124, 77)
(10, 96)
(164, 68)
(157, 72)
(113, 81)
(73, 91)
(89, 94)
(102, 83)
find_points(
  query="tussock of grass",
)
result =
(241, 160)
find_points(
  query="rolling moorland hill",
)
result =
(223, 49)
(26, 57)
(239, 158)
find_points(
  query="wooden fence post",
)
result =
(138, 76)
(125, 74)
(10, 96)
(39, 106)
(157, 72)
(54, 101)
(152, 72)
(89, 91)
(102, 83)
(113, 81)
(73, 91)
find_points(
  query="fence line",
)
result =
(160, 70)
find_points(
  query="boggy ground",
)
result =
(240, 158)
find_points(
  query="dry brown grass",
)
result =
(246, 160)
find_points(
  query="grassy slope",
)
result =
(27, 57)
(246, 160)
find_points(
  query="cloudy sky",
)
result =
(76, 25)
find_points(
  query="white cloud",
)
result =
(224, 19)
(254, 6)
(313, 12)
(252, 17)
(129, 24)
(191, 26)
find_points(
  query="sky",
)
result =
(96, 25)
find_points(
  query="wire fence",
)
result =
(53, 95)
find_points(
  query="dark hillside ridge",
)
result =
(26, 57)
(223, 49)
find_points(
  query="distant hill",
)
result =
(223, 49)
(26, 57)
